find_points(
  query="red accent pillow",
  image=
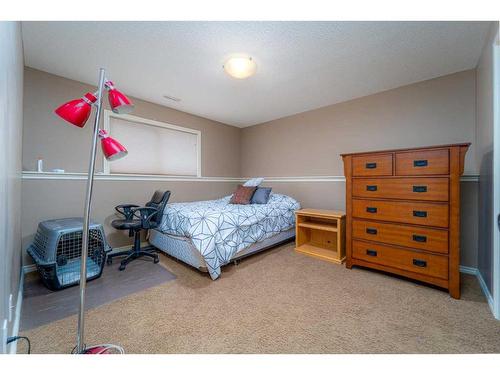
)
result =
(243, 194)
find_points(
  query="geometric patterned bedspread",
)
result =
(219, 229)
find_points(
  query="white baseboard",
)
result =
(127, 247)
(29, 268)
(32, 267)
(486, 292)
(482, 284)
(469, 270)
(17, 318)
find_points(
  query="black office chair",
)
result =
(135, 219)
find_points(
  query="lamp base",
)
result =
(102, 349)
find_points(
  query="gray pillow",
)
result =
(261, 195)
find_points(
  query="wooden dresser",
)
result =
(403, 212)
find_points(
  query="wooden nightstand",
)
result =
(321, 234)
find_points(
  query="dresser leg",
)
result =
(348, 264)
(455, 291)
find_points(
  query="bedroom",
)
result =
(241, 167)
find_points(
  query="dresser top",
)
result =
(466, 144)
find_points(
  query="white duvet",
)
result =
(219, 229)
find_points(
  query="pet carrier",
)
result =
(57, 249)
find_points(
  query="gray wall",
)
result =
(51, 199)
(437, 111)
(432, 112)
(65, 146)
(11, 114)
(484, 151)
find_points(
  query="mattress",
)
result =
(219, 230)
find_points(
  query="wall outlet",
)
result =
(3, 337)
(11, 307)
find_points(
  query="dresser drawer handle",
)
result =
(371, 253)
(420, 189)
(419, 263)
(371, 231)
(371, 165)
(418, 238)
(420, 213)
(371, 187)
(371, 210)
(420, 163)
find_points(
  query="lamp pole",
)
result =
(80, 344)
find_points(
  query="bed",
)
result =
(210, 234)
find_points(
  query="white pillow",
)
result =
(254, 181)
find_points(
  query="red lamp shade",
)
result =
(111, 148)
(117, 100)
(77, 111)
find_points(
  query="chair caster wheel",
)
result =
(122, 267)
(109, 261)
(156, 260)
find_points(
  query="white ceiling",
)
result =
(301, 65)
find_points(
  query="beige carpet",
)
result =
(283, 302)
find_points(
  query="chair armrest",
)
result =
(126, 210)
(145, 214)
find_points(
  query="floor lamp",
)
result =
(77, 112)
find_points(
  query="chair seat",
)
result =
(123, 224)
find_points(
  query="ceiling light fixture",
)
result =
(240, 67)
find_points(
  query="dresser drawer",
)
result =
(435, 240)
(428, 189)
(431, 214)
(422, 162)
(404, 259)
(372, 165)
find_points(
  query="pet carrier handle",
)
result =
(126, 210)
(145, 214)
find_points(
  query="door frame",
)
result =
(496, 175)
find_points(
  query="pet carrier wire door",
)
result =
(57, 250)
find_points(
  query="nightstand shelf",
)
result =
(320, 233)
(319, 226)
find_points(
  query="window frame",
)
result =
(108, 115)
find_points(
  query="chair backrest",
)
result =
(159, 201)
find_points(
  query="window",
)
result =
(154, 148)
